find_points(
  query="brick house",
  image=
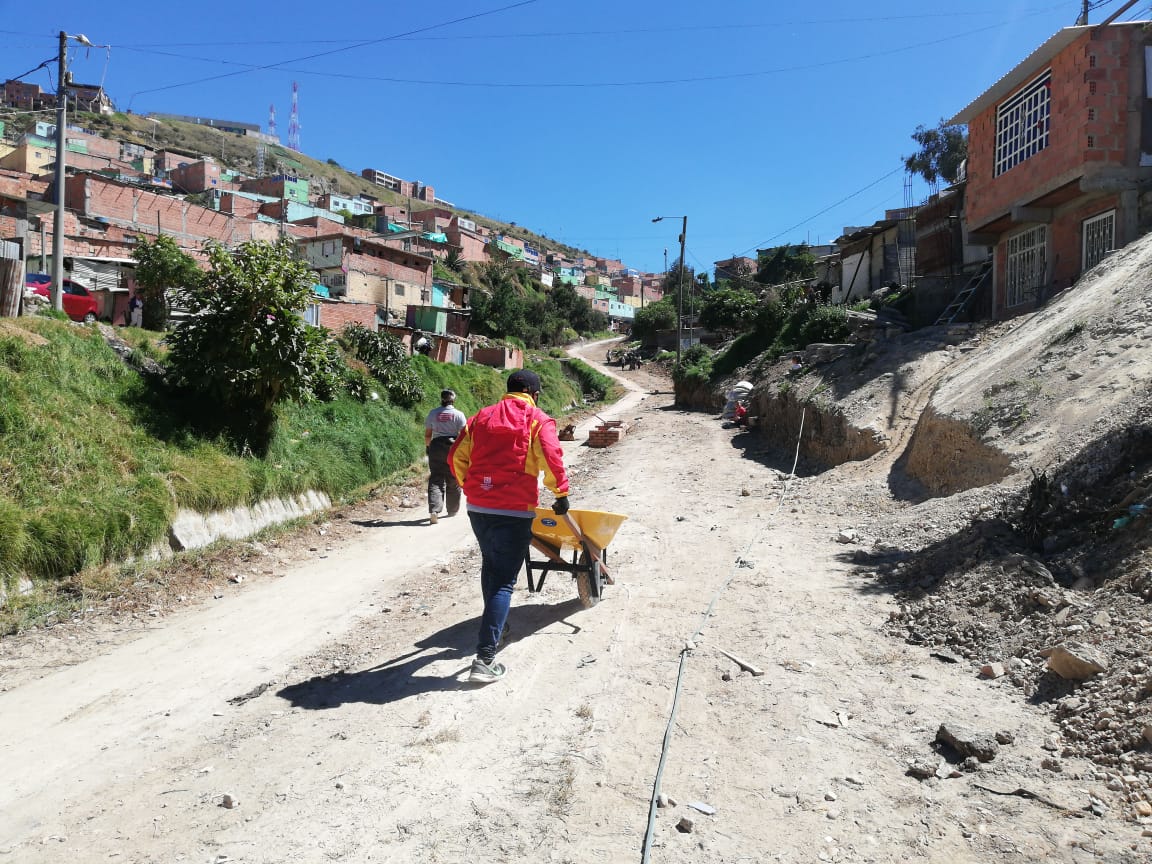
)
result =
(168, 159)
(19, 94)
(90, 97)
(112, 204)
(196, 176)
(282, 186)
(370, 271)
(465, 234)
(736, 267)
(1059, 151)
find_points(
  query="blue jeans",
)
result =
(504, 542)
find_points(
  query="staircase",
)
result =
(961, 300)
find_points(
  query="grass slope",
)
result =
(95, 460)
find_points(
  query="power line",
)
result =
(568, 34)
(860, 191)
(34, 69)
(362, 44)
(562, 84)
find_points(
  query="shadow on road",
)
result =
(399, 678)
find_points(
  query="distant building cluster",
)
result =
(374, 262)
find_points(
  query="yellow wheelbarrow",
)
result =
(586, 533)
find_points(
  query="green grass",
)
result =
(95, 459)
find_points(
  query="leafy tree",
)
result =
(660, 315)
(785, 263)
(941, 152)
(509, 302)
(576, 311)
(161, 266)
(729, 309)
(246, 347)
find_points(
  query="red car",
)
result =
(79, 305)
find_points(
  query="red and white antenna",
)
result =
(272, 120)
(294, 120)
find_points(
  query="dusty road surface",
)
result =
(327, 704)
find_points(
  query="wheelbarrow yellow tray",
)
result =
(586, 534)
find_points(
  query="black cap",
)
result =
(523, 381)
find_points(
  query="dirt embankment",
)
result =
(945, 456)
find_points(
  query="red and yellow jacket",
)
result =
(498, 457)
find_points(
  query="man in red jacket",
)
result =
(497, 461)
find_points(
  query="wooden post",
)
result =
(11, 278)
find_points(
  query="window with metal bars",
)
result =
(1022, 123)
(1099, 237)
(1026, 266)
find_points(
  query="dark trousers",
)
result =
(442, 486)
(504, 542)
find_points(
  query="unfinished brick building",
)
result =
(1059, 150)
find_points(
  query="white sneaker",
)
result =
(433, 518)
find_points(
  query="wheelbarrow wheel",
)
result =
(589, 582)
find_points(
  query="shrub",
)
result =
(387, 361)
(825, 324)
(695, 366)
(246, 347)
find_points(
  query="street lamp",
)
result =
(680, 277)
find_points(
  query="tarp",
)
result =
(320, 290)
(435, 236)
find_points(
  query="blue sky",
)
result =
(580, 119)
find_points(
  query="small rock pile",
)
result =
(1072, 630)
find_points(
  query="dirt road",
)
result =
(352, 736)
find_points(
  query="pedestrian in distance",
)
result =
(498, 459)
(441, 427)
(136, 311)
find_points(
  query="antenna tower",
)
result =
(272, 120)
(294, 120)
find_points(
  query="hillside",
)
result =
(239, 153)
(1017, 466)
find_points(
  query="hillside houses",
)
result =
(372, 260)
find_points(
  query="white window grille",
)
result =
(1027, 265)
(1022, 123)
(1099, 237)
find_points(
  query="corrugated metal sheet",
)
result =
(96, 275)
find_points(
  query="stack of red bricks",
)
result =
(607, 434)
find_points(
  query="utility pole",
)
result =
(1083, 19)
(58, 218)
(680, 278)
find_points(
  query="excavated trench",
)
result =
(828, 439)
(944, 456)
